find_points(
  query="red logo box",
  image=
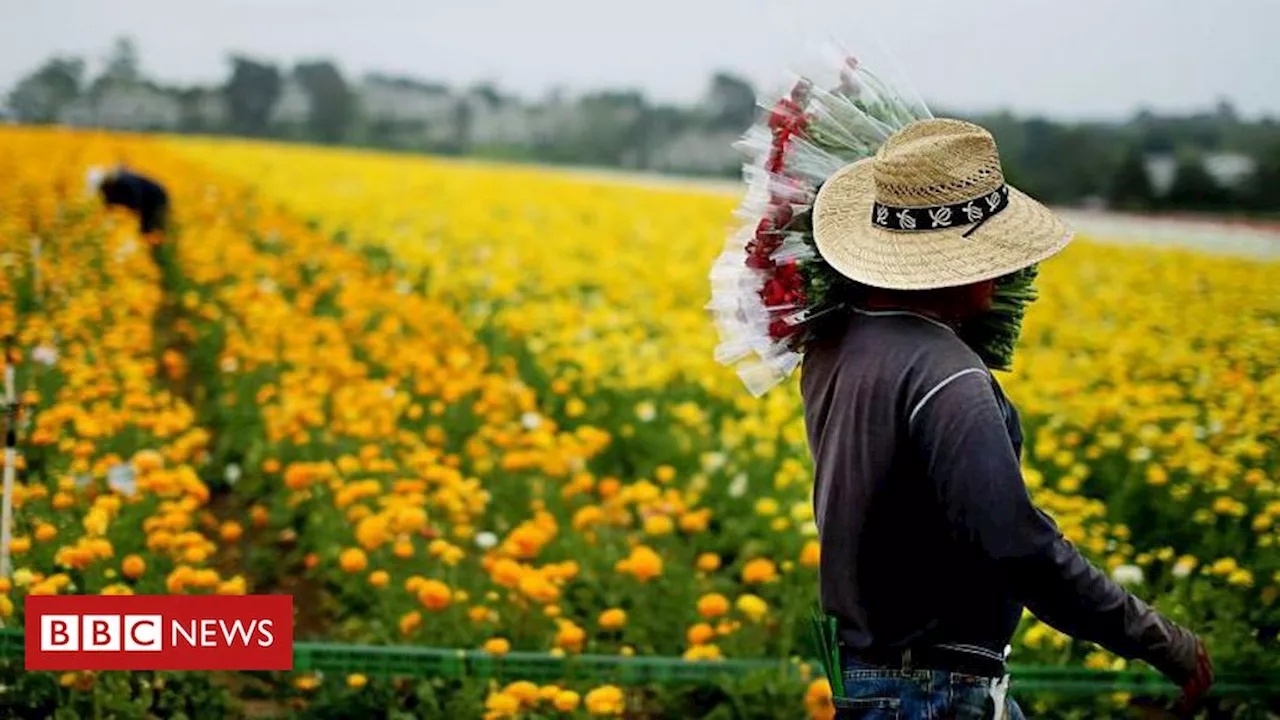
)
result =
(159, 632)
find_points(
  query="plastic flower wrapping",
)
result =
(770, 290)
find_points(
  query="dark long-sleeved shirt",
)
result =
(928, 533)
(141, 195)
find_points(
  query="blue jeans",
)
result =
(875, 693)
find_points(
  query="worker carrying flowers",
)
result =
(886, 257)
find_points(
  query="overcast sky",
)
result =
(1067, 58)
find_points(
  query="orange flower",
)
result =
(570, 636)
(811, 554)
(409, 622)
(643, 563)
(133, 566)
(230, 531)
(259, 516)
(353, 560)
(760, 570)
(817, 700)
(613, 618)
(434, 595)
(708, 562)
(700, 634)
(713, 605)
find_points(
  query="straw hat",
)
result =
(931, 210)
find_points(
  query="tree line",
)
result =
(1099, 162)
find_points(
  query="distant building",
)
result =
(209, 109)
(1228, 170)
(699, 151)
(415, 112)
(125, 106)
(293, 107)
(495, 120)
(555, 118)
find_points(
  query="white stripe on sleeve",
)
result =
(929, 395)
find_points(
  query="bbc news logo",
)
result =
(159, 632)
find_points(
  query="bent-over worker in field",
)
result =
(138, 193)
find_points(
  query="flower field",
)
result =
(457, 405)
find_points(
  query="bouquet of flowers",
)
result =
(770, 288)
(771, 292)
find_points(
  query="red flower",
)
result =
(780, 329)
(782, 215)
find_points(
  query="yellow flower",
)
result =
(696, 521)
(523, 691)
(235, 586)
(1241, 578)
(606, 700)
(357, 681)
(766, 507)
(566, 701)
(1224, 566)
(501, 705)
(753, 607)
(307, 682)
(379, 578)
(658, 525)
(1156, 475)
(703, 652)
(497, 646)
(708, 562)
(1097, 660)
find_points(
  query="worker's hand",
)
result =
(1195, 689)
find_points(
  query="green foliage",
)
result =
(39, 97)
(332, 104)
(1194, 189)
(994, 333)
(251, 92)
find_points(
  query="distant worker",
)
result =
(144, 196)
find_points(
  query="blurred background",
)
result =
(1142, 105)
